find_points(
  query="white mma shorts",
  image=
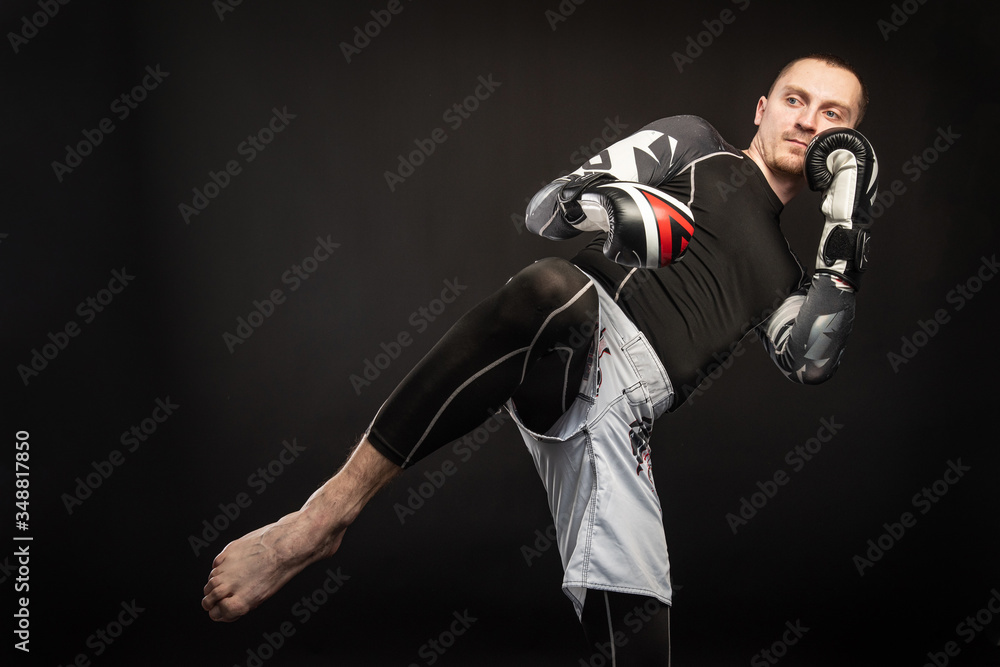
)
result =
(596, 467)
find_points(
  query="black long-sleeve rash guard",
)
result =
(738, 274)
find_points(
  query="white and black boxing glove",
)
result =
(647, 228)
(841, 164)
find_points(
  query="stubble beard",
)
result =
(787, 164)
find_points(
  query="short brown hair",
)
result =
(832, 61)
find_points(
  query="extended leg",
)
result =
(251, 569)
(536, 329)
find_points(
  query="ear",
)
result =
(759, 115)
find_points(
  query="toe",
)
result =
(215, 591)
(228, 610)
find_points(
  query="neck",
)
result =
(785, 186)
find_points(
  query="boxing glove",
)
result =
(841, 164)
(647, 228)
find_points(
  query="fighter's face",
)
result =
(809, 98)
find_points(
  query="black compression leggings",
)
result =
(625, 630)
(528, 341)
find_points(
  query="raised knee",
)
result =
(548, 283)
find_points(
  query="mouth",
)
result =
(798, 142)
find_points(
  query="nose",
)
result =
(807, 121)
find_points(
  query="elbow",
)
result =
(543, 216)
(810, 373)
(538, 218)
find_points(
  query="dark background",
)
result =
(456, 218)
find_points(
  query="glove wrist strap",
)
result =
(850, 244)
(569, 195)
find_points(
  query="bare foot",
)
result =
(252, 569)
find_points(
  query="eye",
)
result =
(792, 100)
(832, 115)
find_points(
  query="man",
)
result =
(587, 354)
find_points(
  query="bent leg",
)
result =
(544, 313)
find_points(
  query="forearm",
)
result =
(544, 216)
(806, 336)
(650, 156)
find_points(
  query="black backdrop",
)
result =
(114, 575)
